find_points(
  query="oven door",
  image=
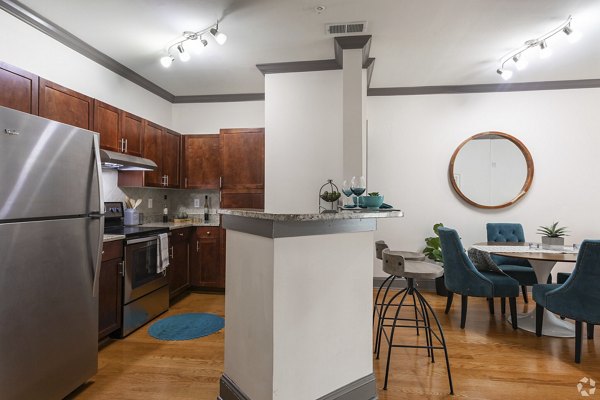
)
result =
(141, 259)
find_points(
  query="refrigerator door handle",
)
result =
(98, 215)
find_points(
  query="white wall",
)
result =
(27, 48)
(303, 138)
(411, 140)
(201, 118)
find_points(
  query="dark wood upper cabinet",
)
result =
(153, 142)
(243, 158)
(243, 168)
(170, 158)
(18, 89)
(201, 161)
(107, 122)
(132, 130)
(65, 105)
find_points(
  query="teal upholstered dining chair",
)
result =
(519, 269)
(461, 277)
(578, 298)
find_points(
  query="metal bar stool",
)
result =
(396, 265)
(380, 245)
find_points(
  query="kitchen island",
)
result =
(298, 305)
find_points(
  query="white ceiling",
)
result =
(415, 42)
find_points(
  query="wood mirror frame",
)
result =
(526, 184)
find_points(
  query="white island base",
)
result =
(298, 306)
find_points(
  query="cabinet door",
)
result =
(65, 105)
(179, 272)
(109, 298)
(206, 268)
(107, 122)
(170, 155)
(153, 135)
(243, 159)
(19, 89)
(201, 161)
(132, 129)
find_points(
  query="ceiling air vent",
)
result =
(346, 28)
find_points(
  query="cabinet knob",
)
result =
(180, 234)
(208, 233)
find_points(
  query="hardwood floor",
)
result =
(488, 359)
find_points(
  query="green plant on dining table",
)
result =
(553, 231)
(433, 251)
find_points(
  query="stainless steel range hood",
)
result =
(125, 162)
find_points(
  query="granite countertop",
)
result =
(179, 225)
(111, 238)
(342, 215)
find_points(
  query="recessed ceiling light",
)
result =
(320, 9)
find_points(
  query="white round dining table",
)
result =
(542, 263)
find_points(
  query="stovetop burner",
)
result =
(113, 224)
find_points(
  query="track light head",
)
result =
(545, 51)
(506, 74)
(184, 56)
(220, 37)
(572, 35)
(166, 61)
(520, 62)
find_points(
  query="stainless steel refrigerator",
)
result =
(51, 227)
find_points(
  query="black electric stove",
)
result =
(113, 223)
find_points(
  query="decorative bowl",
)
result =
(372, 202)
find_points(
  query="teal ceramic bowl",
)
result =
(372, 202)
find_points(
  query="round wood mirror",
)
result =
(491, 170)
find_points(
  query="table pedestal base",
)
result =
(553, 326)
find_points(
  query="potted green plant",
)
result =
(553, 236)
(433, 251)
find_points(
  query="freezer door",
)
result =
(47, 169)
(49, 318)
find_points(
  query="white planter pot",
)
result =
(553, 243)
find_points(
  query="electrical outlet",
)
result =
(197, 203)
(149, 203)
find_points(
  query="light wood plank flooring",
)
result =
(488, 359)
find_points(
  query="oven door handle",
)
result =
(141, 240)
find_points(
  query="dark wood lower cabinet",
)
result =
(110, 289)
(206, 269)
(179, 268)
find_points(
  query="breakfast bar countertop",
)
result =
(284, 217)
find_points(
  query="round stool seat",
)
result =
(411, 255)
(422, 270)
(395, 263)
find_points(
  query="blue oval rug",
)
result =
(186, 326)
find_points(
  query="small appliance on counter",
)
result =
(145, 290)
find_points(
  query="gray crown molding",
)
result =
(219, 98)
(46, 26)
(485, 88)
(369, 66)
(298, 66)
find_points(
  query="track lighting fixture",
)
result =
(516, 56)
(184, 54)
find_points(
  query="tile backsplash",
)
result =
(178, 200)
